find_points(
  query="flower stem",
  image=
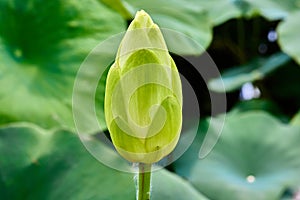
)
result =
(144, 182)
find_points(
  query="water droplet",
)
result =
(249, 91)
(272, 36)
(250, 179)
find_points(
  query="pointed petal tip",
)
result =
(141, 20)
(141, 13)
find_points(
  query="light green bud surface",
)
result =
(143, 97)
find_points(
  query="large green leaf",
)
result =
(42, 45)
(288, 36)
(182, 16)
(40, 164)
(221, 11)
(260, 105)
(256, 69)
(256, 157)
(275, 9)
(120, 6)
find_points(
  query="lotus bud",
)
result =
(143, 97)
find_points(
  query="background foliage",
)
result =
(255, 44)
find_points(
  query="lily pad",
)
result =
(221, 11)
(259, 105)
(256, 69)
(257, 157)
(40, 164)
(275, 9)
(288, 36)
(42, 45)
(120, 6)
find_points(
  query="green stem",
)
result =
(144, 182)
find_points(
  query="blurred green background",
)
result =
(254, 43)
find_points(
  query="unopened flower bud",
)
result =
(143, 97)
